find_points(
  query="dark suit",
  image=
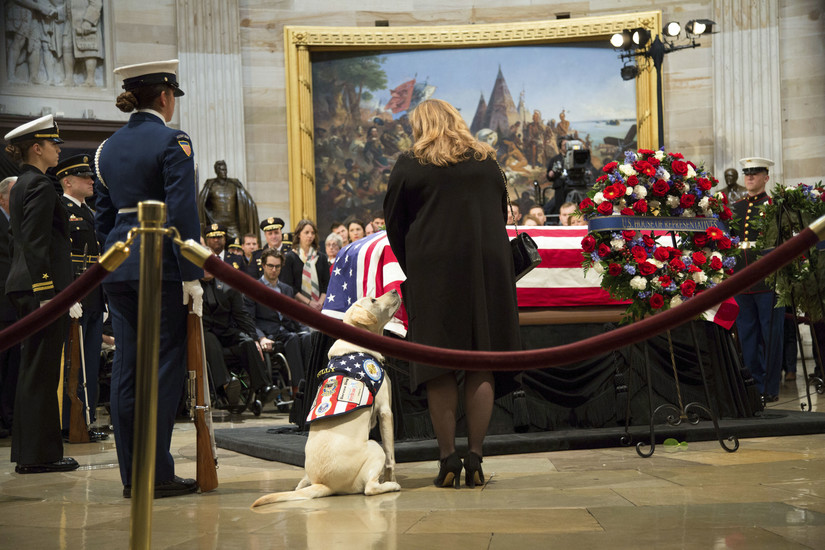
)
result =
(230, 336)
(40, 268)
(85, 251)
(146, 160)
(9, 359)
(272, 324)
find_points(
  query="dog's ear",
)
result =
(361, 316)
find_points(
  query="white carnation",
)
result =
(617, 244)
(638, 282)
(629, 191)
(659, 155)
(665, 174)
(627, 170)
(641, 191)
(704, 203)
(717, 255)
(598, 268)
(700, 277)
(675, 301)
(655, 262)
(598, 198)
(815, 192)
(716, 279)
(672, 201)
(691, 173)
(688, 213)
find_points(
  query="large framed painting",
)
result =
(522, 87)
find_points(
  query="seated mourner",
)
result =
(229, 338)
(273, 327)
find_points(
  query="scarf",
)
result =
(309, 276)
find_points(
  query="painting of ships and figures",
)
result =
(361, 101)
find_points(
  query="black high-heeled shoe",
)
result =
(473, 474)
(449, 472)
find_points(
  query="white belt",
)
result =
(132, 210)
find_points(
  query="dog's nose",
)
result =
(394, 292)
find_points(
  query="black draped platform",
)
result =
(583, 405)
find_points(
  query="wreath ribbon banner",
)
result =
(658, 223)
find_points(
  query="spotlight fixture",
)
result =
(640, 37)
(629, 72)
(698, 27)
(672, 29)
(622, 41)
(617, 40)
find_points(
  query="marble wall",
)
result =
(149, 29)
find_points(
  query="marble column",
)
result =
(746, 85)
(210, 74)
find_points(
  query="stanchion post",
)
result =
(152, 216)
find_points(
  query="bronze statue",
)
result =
(734, 191)
(225, 201)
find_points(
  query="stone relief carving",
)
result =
(55, 42)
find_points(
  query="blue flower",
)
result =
(631, 270)
(644, 295)
(729, 262)
(595, 256)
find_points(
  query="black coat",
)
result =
(272, 323)
(84, 243)
(7, 311)
(745, 210)
(446, 226)
(293, 270)
(224, 313)
(41, 260)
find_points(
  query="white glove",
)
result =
(44, 302)
(76, 311)
(195, 290)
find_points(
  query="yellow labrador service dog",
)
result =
(354, 394)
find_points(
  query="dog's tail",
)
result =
(312, 491)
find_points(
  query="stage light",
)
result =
(698, 27)
(622, 40)
(640, 37)
(629, 72)
(673, 29)
(616, 40)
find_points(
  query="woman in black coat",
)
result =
(306, 268)
(446, 210)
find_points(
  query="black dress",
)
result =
(446, 225)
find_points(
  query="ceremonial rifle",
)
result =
(199, 405)
(78, 429)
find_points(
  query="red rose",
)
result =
(664, 280)
(648, 240)
(628, 212)
(677, 265)
(646, 152)
(662, 254)
(688, 288)
(647, 268)
(605, 208)
(640, 206)
(609, 166)
(628, 235)
(694, 269)
(687, 200)
(589, 244)
(723, 243)
(724, 197)
(632, 181)
(586, 203)
(614, 270)
(657, 301)
(703, 184)
(601, 178)
(675, 252)
(699, 258)
(726, 213)
(654, 161)
(715, 263)
(677, 155)
(644, 167)
(729, 271)
(700, 239)
(660, 188)
(639, 254)
(679, 167)
(604, 250)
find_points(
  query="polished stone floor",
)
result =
(770, 494)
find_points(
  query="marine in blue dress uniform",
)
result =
(40, 268)
(759, 324)
(147, 160)
(75, 175)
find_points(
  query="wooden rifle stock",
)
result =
(207, 476)
(78, 430)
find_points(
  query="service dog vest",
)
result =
(348, 382)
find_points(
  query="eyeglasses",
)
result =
(273, 266)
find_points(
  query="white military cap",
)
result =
(752, 165)
(147, 74)
(44, 127)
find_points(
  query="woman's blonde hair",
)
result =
(442, 137)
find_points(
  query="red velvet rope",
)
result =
(56, 307)
(517, 360)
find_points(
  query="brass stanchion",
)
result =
(152, 216)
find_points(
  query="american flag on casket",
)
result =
(368, 267)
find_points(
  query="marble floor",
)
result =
(769, 494)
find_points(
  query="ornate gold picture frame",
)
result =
(301, 42)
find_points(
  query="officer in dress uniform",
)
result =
(758, 322)
(40, 268)
(274, 236)
(147, 160)
(215, 238)
(75, 176)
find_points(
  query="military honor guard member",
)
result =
(40, 268)
(759, 323)
(75, 176)
(148, 160)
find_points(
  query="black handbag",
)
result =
(525, 250)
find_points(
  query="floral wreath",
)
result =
(801, 282)
(645, 268)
